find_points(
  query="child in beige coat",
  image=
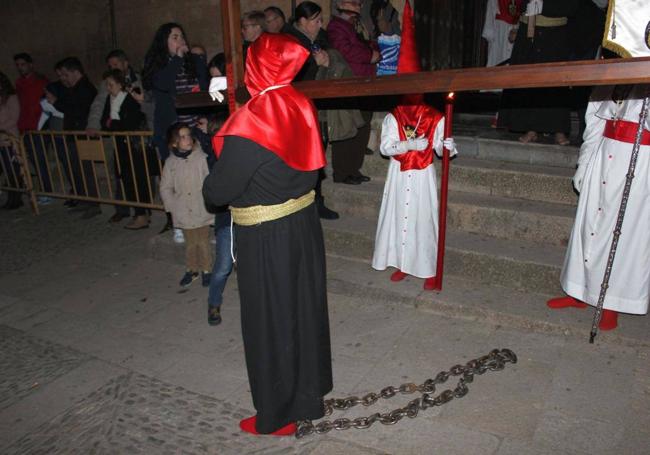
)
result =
(180, 189)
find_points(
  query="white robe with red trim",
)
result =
(600, 179)
(407, 229)
(495, 32)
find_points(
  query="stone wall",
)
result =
(53, 30)
(56, 29)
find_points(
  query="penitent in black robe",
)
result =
(545, 110)
(281, 277)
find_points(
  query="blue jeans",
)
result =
(222, 261)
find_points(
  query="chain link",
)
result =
(496, 360)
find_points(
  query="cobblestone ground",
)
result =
(134, 414)
(28, 232)
(101, 354)
(27, 363)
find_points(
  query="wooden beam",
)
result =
(232, 46)
(560, 74)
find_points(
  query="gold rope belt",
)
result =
(256, 214)
(544, 21)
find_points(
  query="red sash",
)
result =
(624, 131)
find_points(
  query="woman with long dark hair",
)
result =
(9, 113)
(170, 69)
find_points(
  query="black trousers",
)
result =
(347, 155)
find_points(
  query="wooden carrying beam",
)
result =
(232, 46)
(560, 74)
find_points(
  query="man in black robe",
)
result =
(270, 152)
(545, 110)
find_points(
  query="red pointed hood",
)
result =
(277, 117)
(412, 113)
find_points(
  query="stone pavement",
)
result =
(101, 353)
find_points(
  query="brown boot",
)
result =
(138, 222)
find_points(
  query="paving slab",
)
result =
(114, 380)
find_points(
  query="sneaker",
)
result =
(44, 200)
(178, 236)
(188, 278)
(205, 278)
(214, 315)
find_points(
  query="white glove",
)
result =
(579, 177)
(217, 84)
(534, 7)
(419, 144)
(450, 144)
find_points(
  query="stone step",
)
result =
(477, 258)
(509, 151)
(514, 180)
(462, 297)
(513, 264)
(515, 152)
(494, 216)
(547, 160)
(466, 299)
(471, 119)
(498, 178)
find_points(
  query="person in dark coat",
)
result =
(348, 155)
(307, 28)
(123, 113)
(170, 69)
(75, 105)
(270, 151)
(545, 110)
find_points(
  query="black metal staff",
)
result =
(619, 220)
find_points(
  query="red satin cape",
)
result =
(408, 115)
(282, 119)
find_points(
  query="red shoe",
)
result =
(565, 302)
(430, 283)
(608, 320)
(398, 276)
(248, 425)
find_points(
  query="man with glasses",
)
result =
(252, 26)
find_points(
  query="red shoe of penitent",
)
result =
(398, 276)
(608, 320)
(248, 425)
(565, 302)
(430, 283)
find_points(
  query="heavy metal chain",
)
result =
(496, 360)
(619, 218)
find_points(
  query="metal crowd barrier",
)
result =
(14, 171)
(117, 168)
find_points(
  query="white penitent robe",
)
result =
(496, 33)
(407, 229)
(600, 179)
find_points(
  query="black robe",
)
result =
(281, 277)
(544, 110)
